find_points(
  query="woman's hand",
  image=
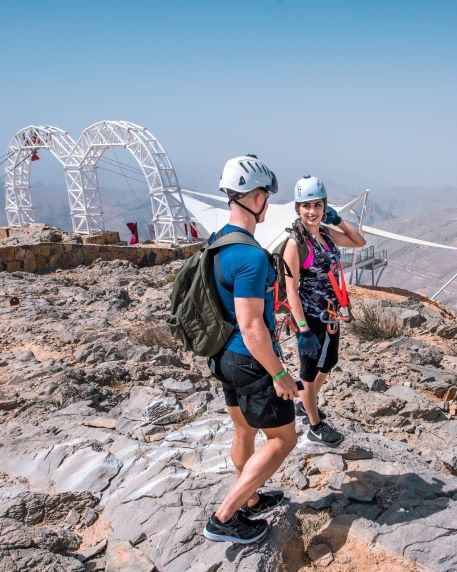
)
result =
(331, 216)
(308, 344)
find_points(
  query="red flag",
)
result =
(133, 228)
(193, 230)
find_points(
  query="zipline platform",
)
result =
(365, 259)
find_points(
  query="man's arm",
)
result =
(257, 339)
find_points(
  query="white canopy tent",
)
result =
(279, 217)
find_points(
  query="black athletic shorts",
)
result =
(328, 354)
(249, 386)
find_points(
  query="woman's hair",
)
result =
(300, 232)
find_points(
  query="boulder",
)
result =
(185, 387)
(373, 382)
(358, 491)
(449, 458)
(416, 405)
(448, 331)
(449, 362)
(320, 554)
(357, 452)
(26, 356)
(329, 463)
(407, 317)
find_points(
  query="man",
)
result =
(258, 391)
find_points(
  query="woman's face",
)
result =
(312, 212)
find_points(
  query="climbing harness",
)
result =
(333, 315)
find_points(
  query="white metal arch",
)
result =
(18, 193)
(169, 214)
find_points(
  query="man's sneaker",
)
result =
(300, 411)
(325, 435)
(238, 529)
(266, 502)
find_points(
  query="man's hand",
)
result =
(286, 387)
(308, 344)
(331, 216)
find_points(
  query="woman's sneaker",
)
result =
(325, 435)
(238, 529)
(300, 411)
(266, 502)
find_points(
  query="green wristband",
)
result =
(281, 374)
(302, 323)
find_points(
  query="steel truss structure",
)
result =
(22, 148)
(170, 218)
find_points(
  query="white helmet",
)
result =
(309, 189)
(246, 173)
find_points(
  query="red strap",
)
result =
(343, 288)
(341, 293)
(276, 295)
(276, 302)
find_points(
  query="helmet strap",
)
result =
(257, 214)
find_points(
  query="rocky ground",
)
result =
(115, 447)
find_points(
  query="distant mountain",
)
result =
(423, 269)
(119, 207)
(417, 268)
(404, 201)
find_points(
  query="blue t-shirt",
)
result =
(248, 271)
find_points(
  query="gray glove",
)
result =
(331, 216)
(308, 344)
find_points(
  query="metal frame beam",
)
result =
(18, 192)
(170, 218)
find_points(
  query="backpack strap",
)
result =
(234, 237)
(303, 251)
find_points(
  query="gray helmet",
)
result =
(246, 173)
(309, 189)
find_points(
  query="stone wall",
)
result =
(106, 237)
(50, 256)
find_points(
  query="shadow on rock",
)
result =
(406, 514)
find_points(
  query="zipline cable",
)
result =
(416, 274)
(125, 165)
(127, 179)
(127, 212)
(408, 268)
(126, 176)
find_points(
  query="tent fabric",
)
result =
(394, 236)
(271, 232)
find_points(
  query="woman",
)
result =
(313, 297)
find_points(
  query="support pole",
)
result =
(443, 287)
(362, 216)
(379, 275)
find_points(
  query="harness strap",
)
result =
(339, 289)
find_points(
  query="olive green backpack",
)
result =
(197, 317)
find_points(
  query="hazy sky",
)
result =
(360, 92)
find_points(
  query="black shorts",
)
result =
(249, 386)
(328, 354)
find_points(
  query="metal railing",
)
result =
(364, 255)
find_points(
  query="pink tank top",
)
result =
(308, 262)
